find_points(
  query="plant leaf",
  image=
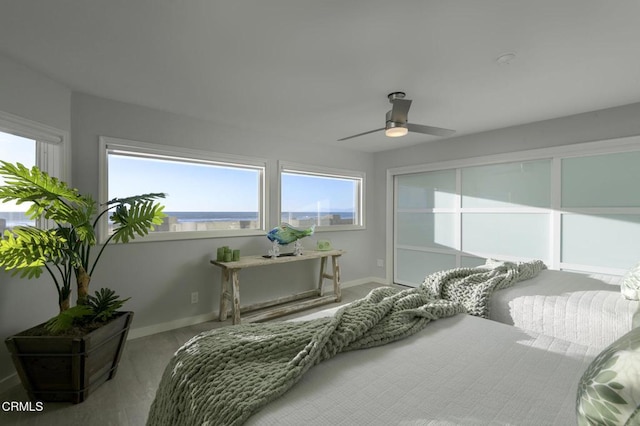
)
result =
(65, 319)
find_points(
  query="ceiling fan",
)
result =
(397, 124)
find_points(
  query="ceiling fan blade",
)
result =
(400, 110)
(361, 134)
(436, 131)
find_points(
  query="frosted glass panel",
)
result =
(603, 240)
(519, 234)
(426, 229)
(413, 266)
(427, 190)
(609, 180)
(507, 185)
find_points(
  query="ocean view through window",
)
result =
(326, 198)
(207, 195)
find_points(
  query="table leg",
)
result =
(235, 286)
(224, 295)
(323, 267)
(336, 278)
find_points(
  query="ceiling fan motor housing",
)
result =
(390, 123)
(396, 95)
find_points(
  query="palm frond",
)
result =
(27, 249)
(81, 221)
(105, 304)
(65, 319)
(49, 197)
(151, 196)
(136, 219)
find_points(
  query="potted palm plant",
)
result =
(70, 355)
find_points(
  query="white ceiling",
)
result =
(313, 71)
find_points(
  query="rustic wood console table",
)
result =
(304, 300)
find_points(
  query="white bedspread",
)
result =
(586, 309)
(461, 370)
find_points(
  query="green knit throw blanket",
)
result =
(223, 376)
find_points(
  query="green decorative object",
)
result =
(285, 234)
(323, 245)
(609, 390)
(228, 256)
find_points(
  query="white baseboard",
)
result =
(366, 280)
(135, 333)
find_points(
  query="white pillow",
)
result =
(630, 284)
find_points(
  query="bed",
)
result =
(426, 362)
(461, 370)
(581, 308)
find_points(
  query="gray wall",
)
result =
(592, 126)
(31, 95)
(160, 276)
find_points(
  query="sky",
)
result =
(204, 187)
(15, 149)
(199, 187)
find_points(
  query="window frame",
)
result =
(52, 144)
(108, 144)
(310, 170)
(53, 155)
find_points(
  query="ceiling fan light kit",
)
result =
(396, 121)
(395, 131)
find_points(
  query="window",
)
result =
(600, 215)
(329, 199)
(15, 149)
(30, 143)
(208, 195)
(575, 208)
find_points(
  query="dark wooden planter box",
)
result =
(68, 369)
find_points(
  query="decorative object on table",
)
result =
(284, 234)
(274, 251)
(89, 357)
(226, 254)
(297, 248)
(323, 245)
(220, 253)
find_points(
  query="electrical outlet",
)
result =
(380, 263)
(194, 297)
